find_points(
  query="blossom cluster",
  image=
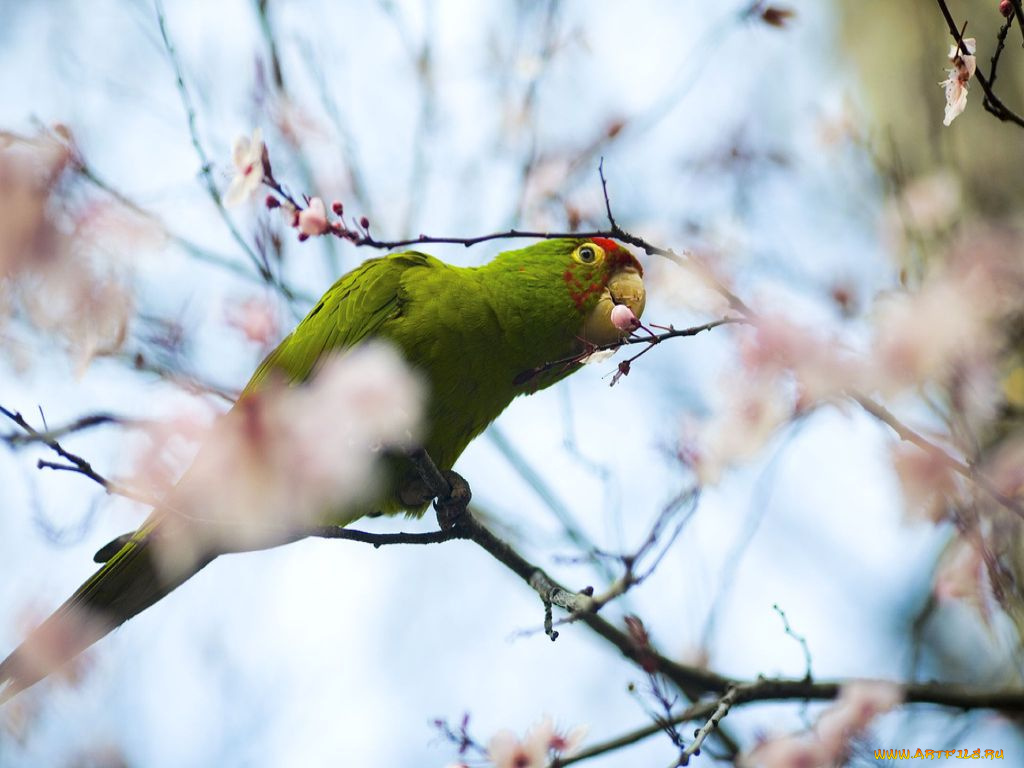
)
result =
(285, 459)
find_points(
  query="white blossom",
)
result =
(247, 156)
(964, 66)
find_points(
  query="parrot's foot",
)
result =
(450, 509)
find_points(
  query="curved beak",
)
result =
(625, 286)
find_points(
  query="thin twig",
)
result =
(78, 425)
(1000, 45)
(650, 340)
(702, 733)
(75, 463)
(799, 638)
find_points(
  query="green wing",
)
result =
(352, 310)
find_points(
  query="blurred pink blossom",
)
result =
(927, 482)
(922, 336)
(542, 741)
(30, 168)
(58, 254)
(960, 574)
(313, 219)
(926, 205)
(506, 750)
(247, 155)
(775, 345)
(256, 318)
(750, 409)
(786, 752)
(287, 458)
(859, 703)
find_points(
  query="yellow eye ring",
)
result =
(589, 253)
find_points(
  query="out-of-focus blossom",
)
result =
(58, 254)
(960, 574)
(561, 742)
(313, 219)
(859, 703)
(925, 206)
(30, 169)
(285, 459)
(921, 336)
(774, 346)
(751, 408)
(786, 752)
(927, 482)
(691, 285)
(506, 750)
(543, 741)
(247, 155)
(955, 84)
(46, 652)
(256, 319)
(168, 446)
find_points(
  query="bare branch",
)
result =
(74, 463)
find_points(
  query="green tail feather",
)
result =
(129, 583)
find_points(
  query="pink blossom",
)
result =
(859, 703)
(256, 319)
(775, 345)
(313, 219)
(506, 750)
(926, 480)
(247, 155)
(750, 409)
(563, 743)
(786, 752)
(922, 336)
(543, 740)
(287, 458)
(960, 574)
(964, 66)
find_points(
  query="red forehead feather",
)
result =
(618, 254)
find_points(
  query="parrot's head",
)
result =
(571, 288)
(600, 274)
(593, 276)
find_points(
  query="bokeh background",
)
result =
(777, 153)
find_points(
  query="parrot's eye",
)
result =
(588, 254)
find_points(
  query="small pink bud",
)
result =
(622, 317)
(1005, 8)
(364, 223)
(272, 203)
(338, 208)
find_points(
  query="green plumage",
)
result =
(476, 335)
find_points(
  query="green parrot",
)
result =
(478, 337)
